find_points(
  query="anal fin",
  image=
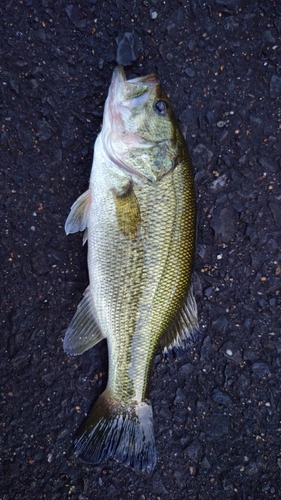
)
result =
(83, 331)
(185, 325)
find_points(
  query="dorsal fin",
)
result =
(184, 326)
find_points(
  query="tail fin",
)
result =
(124, 433)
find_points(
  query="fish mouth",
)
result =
(126, 94)
(134, 88)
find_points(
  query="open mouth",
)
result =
(117, 141)
(130, 89)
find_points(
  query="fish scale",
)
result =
(139, 214)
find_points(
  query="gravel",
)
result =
(217, 403)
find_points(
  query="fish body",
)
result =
(139, 219)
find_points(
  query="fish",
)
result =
(139, 220)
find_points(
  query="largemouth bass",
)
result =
(139, 219)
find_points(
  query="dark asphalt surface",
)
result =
(216, 404)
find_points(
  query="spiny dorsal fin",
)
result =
(83, 331)
(79, 214)
(184, 326)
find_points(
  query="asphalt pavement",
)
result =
(217, 403)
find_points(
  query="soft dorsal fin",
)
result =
(83, 331)
(79, 214)
(184, 326)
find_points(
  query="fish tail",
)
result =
(122, 432)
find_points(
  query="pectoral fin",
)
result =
(79, 214)
(128, 213)
(83, 331)
(184, 326)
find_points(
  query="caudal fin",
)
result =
(124, 433)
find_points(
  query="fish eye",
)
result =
(160, 107)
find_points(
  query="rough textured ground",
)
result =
(217, 404)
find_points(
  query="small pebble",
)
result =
(221, 124)
(127, 49)
(275, 87)
(189, 72)
(210, 117)
(260, 368)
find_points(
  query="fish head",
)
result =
(139, 129)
